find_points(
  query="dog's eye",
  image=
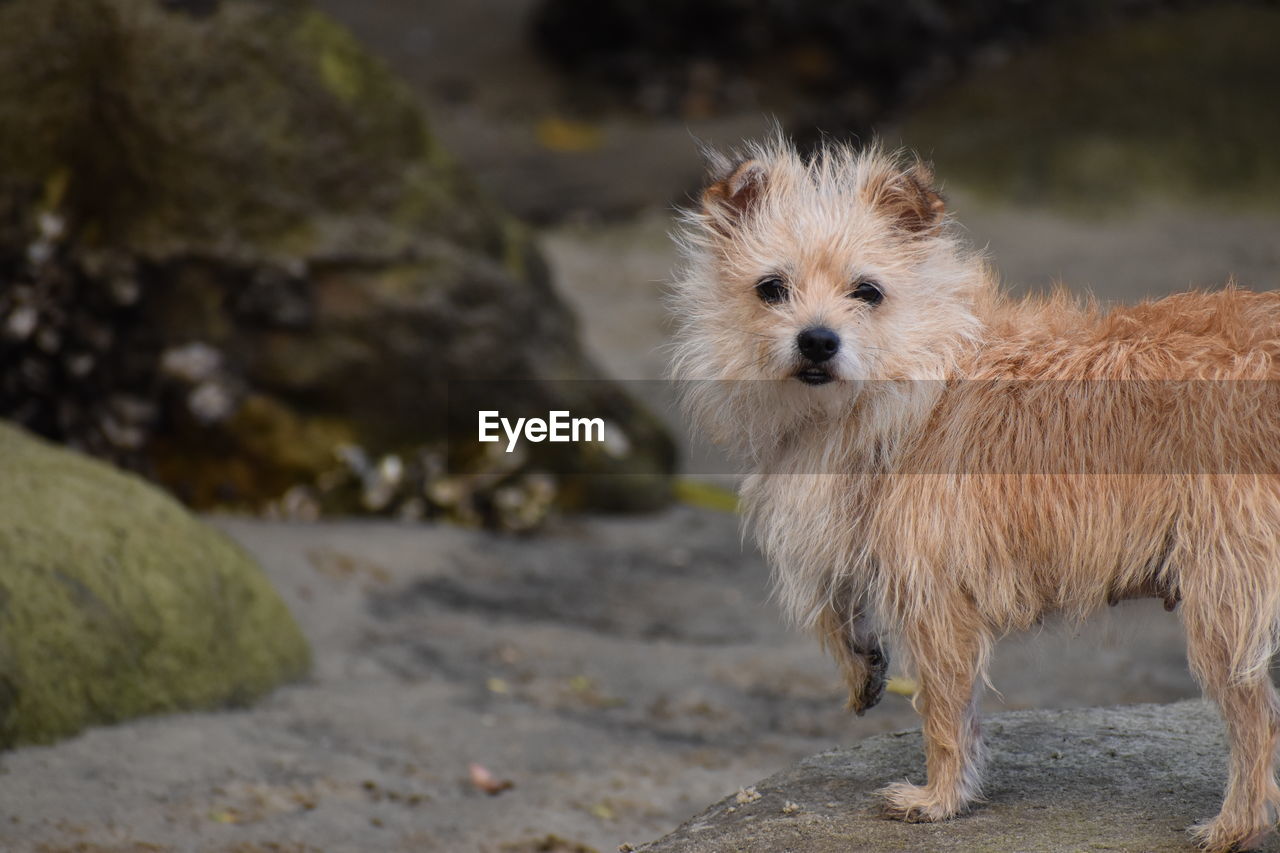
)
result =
(867, 291)
(772, 290)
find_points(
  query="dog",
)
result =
(936, 461)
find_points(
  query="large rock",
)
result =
(1129, 778)
(229, 246)
(115, 602)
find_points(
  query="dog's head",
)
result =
(818, 275)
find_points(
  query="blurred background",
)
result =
(253, 250)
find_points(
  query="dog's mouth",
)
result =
(814, 375)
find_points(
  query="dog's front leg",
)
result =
(948, 657)
(846, 632)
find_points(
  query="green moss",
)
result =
(255, 457)
(116, 602)
(274, 434)
(1178, 106)
(342, 64)
(55, 188)
(515, 249)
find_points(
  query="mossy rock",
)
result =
(116, 602)
(261, 130)
(241, 177)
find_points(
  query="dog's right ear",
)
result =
(732, 196)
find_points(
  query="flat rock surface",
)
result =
(1094, 779)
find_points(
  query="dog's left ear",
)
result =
(909, 199)
(730, 198)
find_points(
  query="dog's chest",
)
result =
(813, 530)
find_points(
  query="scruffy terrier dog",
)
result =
(934, 460)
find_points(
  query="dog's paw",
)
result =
(917, 804)
(866, 696)
(1221, 836)
(866, 693)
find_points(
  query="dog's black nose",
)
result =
(818, 343)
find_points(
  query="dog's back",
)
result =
(1221, 334)
(1093, 457)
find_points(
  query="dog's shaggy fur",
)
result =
(978, 462)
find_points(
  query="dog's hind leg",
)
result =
(1228, 645)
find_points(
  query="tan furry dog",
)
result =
(936, 461)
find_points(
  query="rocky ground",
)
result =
(619, 673)
(1123, 779)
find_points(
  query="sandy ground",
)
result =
(621, 673)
